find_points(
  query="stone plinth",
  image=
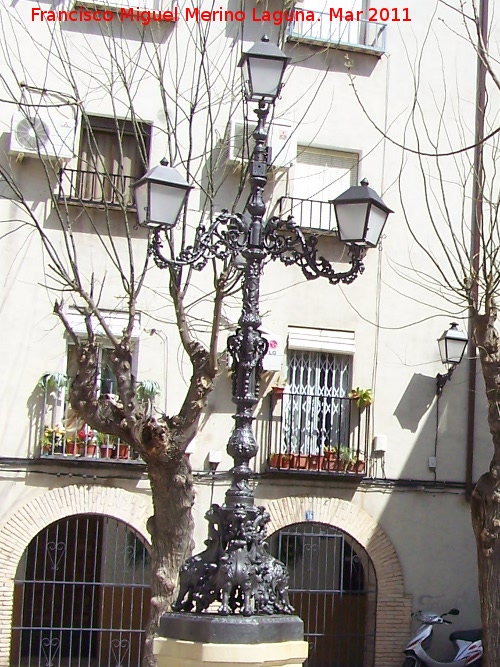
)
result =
(205, 640)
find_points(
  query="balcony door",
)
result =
(334, 30)
(333, 589)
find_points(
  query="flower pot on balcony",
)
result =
(331, 462)
(315, 462)
(280, 461)
(123, 451)
(299, 461)
(274, 461)
(106, 451)
(71, 448)
(357, 467)
(88, 450)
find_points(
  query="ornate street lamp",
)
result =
(160, 195)
(361, 215)
(263, 69)
(236, 568)
(452, 346)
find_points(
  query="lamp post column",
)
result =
(248, 346)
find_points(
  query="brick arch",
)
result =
(393, 612)
(27, 521)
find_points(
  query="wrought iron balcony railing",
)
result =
(321, 434)
(80, 186)
(364, 34)
(309, 214)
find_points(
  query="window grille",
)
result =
(315, 417)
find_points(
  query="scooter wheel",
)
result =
(411, 662)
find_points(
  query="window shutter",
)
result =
(322, 174)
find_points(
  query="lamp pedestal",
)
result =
(206, 640)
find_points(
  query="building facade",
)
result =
(368, 498)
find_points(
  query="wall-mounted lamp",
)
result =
(452, 346)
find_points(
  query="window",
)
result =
(319, 176)
(341, 29)
(316, 408)
(113, 154)
(63, 432)
(323, 174)
(106, 380)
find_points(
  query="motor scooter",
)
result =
(467, 642)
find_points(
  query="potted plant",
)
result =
(330, 458)
(70, 447)
(285, 461)
(357, 466)
(274, 460)
(106, 445)
(363, 397)
(345, 457)
(315, 462)
(87, 444)
(147, 391)
(53, 438)
(299, 461)
(123, 450)
(52, 383)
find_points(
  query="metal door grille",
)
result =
(314, 414)
(333, 590)
(81, 596)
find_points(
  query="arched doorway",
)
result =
(333, 589)
(81, 595)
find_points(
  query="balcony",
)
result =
(80, 186)
(364, 36)
(316, 435)
(85, 443)
(310, 214)
(116, 5)
(64, 436)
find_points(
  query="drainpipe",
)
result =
(477, 223)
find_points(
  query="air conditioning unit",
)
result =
(43, 132)
(281, 141)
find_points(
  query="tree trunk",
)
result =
(171, 529)
(485, 503)
(485, 509)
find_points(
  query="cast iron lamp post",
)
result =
(236, 568)
(452, 346)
